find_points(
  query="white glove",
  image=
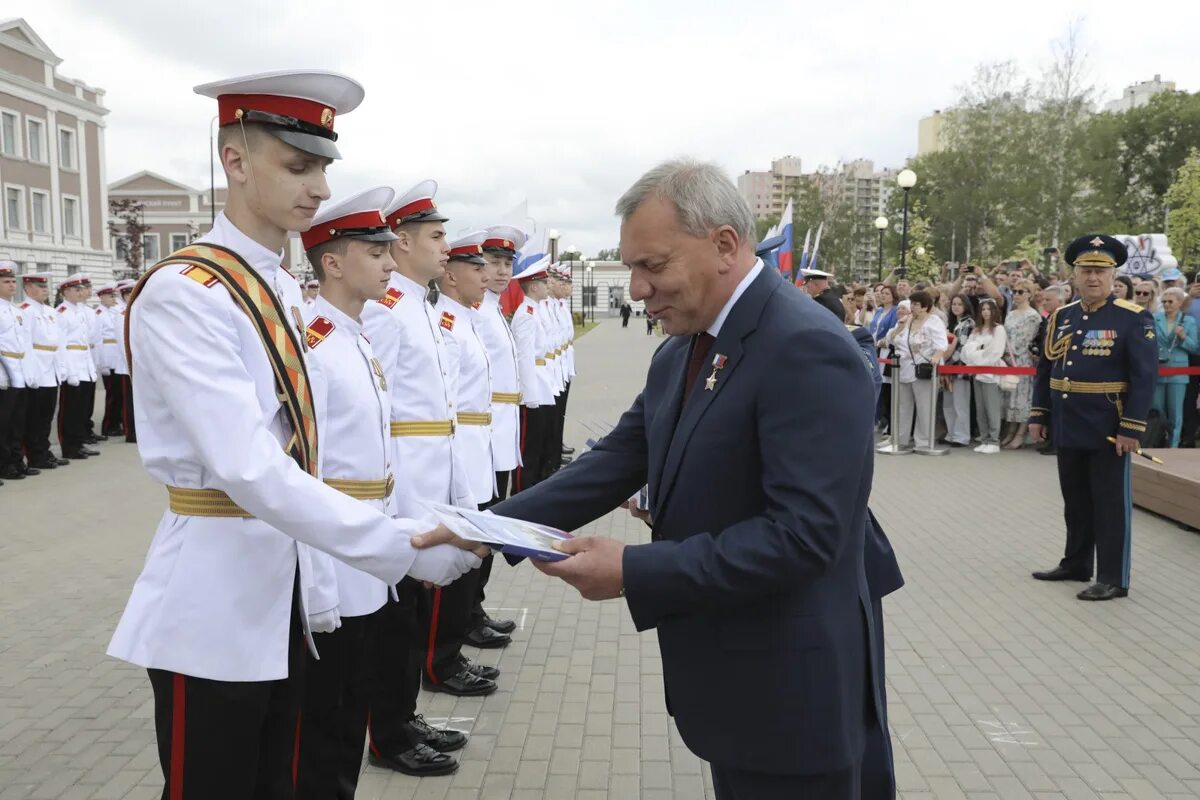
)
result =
(31, 383)
(442, 564)
(325, 621)
(72, 381)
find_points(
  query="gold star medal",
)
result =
(718, 363)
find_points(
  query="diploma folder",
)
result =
(510, 536)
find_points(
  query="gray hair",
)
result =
(702, 193)
(1176, 292)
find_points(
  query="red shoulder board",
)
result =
(447, 321)
(391, 297)
(317, 331)
(200, 276)
(24, 305)
(529, 310)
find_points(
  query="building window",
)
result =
(40, 201)
(67, 158)
(14, 208)
(150, 248)
(70, 222)
(37, 139)
(72, 269)
(10, 134)
(178, 241)
(121, 243)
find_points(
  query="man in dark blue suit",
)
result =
(754, 434)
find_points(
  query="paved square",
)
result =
(999, 686)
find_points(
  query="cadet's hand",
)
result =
(1037, 431)
(594, 567)
(634, 511)
(442, 564)
(443, 535)
(325, 621)
(72, 382)
(1127, 444)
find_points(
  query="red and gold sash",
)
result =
(206, 263)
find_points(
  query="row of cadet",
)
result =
(51, 357)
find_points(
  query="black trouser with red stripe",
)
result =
(394, 661)
(89, 406)
(39, 415)
(337, 700)
(485, 569)
(234, 741)
(127, 408)
(448, 621)
(114, 405)
(10, 446)
(535, 428)
(73, 414)
(552, 454)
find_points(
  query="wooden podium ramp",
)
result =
(1170, 489)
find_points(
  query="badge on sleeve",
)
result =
(391, 297)
(318, 331)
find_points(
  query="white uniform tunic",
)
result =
(568, 334)
(536, 389)
(549, 327)
(108, 318)
(469, 364)
(120, 364)
(497, 339)
(43, 362)
(214, 598)
(352, 405)
(405, 336)
(77, 342)
(12, 346)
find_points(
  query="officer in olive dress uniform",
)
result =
(1095, 380)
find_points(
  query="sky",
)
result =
(565, 104)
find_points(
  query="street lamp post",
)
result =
(906, 180)
(574, 253)
(589, 296)
(553, 237)
(881, 224)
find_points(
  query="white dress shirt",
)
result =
(714, 330)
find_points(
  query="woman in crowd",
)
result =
(920, 341)
(985, 348)
(880, 326)
(1177, 337)
(863, 306)
(1021, 327)
(956, 402)
(1145, 294)
(1123, 288)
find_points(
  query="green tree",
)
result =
(611, 254)
(761, 226)
(1183, 218)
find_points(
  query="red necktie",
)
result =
(701, 347)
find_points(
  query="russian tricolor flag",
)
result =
(785, 250)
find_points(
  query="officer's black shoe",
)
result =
(31, 471)
(1061, 573)
(487, 638)
(96, 438)
(12, 473)
(482, 670)
(499, 625)
(89, 451)
(568, 451)
(444, 740)
(62, 462)
(421, 761)
(1102, 591)
(463, 684)
(76, 455)
(565, 460)
(49, 463)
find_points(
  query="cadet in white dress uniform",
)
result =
(563, 329)
(499, 249)
(348, 247)
(43, 371)
(108, 317)
(215, 615)
(80, 380)
(121, 365)
(310, 293)
(12, 375)
(537, 389)
(407, 340)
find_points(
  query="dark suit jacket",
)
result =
(755, 577)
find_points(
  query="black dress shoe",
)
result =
(89, 451)
(444, 740)
(62, 462)
(1061, 574)
(568, 451)
(463, 684)
(31, 471)
(48, 464)
(12, 474)
(482, 670)
(420, 761)
(1102, 591)
(499, 625)
(75, 455)
(93, 439)
(487, 638)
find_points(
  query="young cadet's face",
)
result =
(364, 269)
(108, 300)
(499, 271)
(284, 185)
(37, 292)
(8, 288)
(75, 294)
(428, 248)
(469, 280)
(536, 289)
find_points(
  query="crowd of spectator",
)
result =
(995, 318)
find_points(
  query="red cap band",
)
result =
(466, 250)
(415, 207)
(331, 229)
(500, 244)
(308, 111)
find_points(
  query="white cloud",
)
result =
(567, 103)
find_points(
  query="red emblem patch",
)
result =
(199, 275)
(529, 310)
(391, 297)
(447, 321)
(317, 331)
